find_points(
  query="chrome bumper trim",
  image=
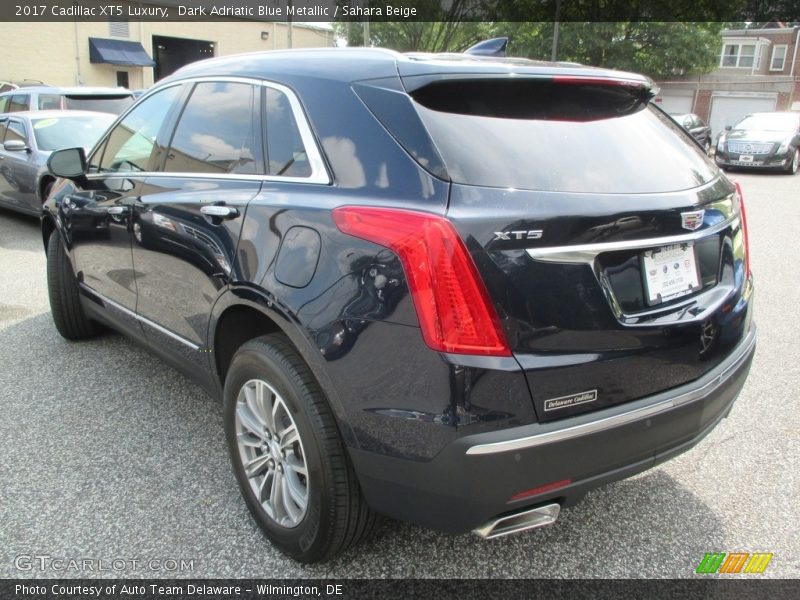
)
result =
(567, 433)
(586, 253)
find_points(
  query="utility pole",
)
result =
(289, 4)
(554, 54)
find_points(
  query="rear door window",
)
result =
(4, 103)
(540, 135)
(19, 102)
(285, 150)
(218, 131)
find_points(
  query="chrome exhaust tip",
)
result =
(521, 521)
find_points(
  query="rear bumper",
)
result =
(473, 479)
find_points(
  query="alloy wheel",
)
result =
(271, 453)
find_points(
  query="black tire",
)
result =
(791, 168)
(62, 288)
(48, 187)
(336, 516)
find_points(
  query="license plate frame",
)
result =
(669, 272)
(746, 158)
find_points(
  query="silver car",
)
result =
(28, 138)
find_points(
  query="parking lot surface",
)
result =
(107, 454)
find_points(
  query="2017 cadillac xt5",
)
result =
(456, 291)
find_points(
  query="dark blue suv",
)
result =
(456, 291)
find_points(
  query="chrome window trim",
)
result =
(587, 253)
(140, 318)
(591, 427)
(319, 170)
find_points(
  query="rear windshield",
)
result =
(110, 104)
(559, 137)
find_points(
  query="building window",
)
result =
(123, 79)
(738, 55)
(119, 29)
(778, 58)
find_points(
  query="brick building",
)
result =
(758, 71)
(135, 54)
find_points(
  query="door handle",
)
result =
(219, 211)
(117, 210)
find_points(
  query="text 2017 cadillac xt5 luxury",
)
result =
(456, 291)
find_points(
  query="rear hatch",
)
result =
(110, 102)
(613, 250)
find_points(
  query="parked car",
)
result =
(456, 291)
(28, 139)
(696, 127)
(110, 100)
(767, 140)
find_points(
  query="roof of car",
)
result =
(57, 114)
(354, 64)
(72, 91)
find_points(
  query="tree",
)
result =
(657, 49)
(439, 27)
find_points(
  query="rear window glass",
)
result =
(558, 137)
(110, 104)
(49, 102)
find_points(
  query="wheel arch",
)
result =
(44, 180)
(244, 313)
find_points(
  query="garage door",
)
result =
(729, 110)
(675, 101)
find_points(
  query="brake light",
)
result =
(453, 306)
(744, 229)
(588, 80)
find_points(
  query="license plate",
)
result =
(670, 272)
(746, 158)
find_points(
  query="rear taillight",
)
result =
(744, 230)
(453, 306)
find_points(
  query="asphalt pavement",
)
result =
(108, 455)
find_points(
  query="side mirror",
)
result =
(69, 163)
(728, 127)
(15, 146)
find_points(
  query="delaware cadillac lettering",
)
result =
(573, 400)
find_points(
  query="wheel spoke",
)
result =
(288, 437)
(274, 414)
(265, 401)
(246, 438)
(266, 483)
(249, 421)
(296, 464)
(295, 490)
(257, 465)
(251, 400)
(276, 497)
(293, 511)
